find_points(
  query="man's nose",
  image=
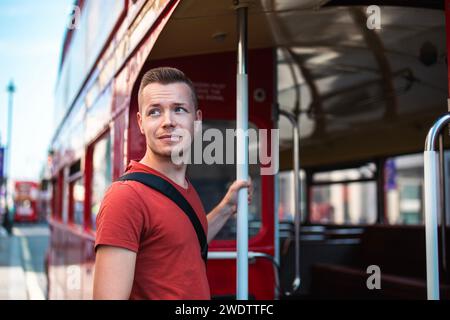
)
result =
(168, 120)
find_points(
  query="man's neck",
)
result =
(177, 173)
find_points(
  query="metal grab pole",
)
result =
(297, 195)
(443, 209)
(242, 156)
(433, 205)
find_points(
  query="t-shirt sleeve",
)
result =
(120, 221)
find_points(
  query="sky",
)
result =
(31, 35)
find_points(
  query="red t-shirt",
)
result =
(168, 262)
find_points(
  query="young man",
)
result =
(146, 247)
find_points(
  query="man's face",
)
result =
(166, 111)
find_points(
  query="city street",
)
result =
(22, 271)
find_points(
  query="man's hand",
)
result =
(230, 201)
(227, 207)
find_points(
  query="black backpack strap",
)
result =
(167, 189)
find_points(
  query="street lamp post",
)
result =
(11, 89)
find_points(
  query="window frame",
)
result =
(377, 178)
(259, 224)
(59, 196)
(89, 176)
(402, 224)
(72, 180)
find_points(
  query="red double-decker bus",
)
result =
(26, 197)
(361, 85)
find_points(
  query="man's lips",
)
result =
(170, 137)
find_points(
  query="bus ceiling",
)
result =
(201, 26)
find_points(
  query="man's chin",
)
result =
(172, 151)
(166, 152)
(163, 153)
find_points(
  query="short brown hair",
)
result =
(166, 75)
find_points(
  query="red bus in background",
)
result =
(26, 201)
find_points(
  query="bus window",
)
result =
(404, 189)
(59, 195)
(101, 175)
(346, 196)
(212, 181)
(287, 196)
(76, 194)
(54, 201)
(77, 201)
(65, 198)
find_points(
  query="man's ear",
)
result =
(198, 115)
(139, 120)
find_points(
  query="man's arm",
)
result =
(227, 207)
(114, 273)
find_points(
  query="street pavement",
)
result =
(22, 254)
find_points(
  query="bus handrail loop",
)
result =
(297, 218)
(433, 203)
(252, 256)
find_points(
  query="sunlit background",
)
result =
(31, 35)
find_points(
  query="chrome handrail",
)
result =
(252, 255)
(221, 255)
(433, 203)
(297, 218)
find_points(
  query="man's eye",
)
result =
(180, 109)
(153, 112)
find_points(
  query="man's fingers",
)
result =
(239, 184)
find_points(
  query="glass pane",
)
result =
(54, 199)
(78, 202)
(349, 203)
(404, 189)
(65, 200)
(287, 195)
(102, 175)
(213, 180)
(364, 172)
